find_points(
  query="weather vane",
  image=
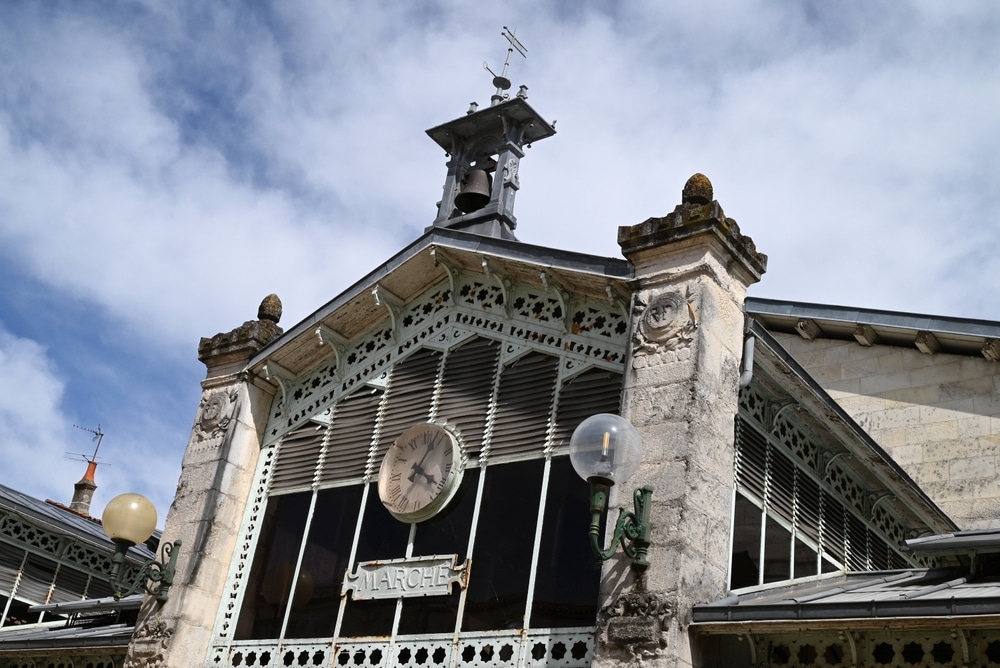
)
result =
(500, 80)
(98, 436)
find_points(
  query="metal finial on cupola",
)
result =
(485, 147)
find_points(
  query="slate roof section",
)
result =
(63, 521)
(876, 595)
(982, 541)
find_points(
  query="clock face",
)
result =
(420, 472)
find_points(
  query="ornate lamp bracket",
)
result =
(161, 575)
(632, 530)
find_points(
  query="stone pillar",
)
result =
(216, 475)
(692, 270)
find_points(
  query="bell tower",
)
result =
(485, 147)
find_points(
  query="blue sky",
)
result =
(163, 166)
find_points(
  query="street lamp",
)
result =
(130, 519)
(606, 449)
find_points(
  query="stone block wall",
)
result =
(938, 416)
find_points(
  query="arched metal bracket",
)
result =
(562, 295)
(848, 637)
(876, 501)
(504, 283)
(337, 343)
(274, 372)
(751, 645)
(441, 260)
(614, 293)
(392, 304)
(830, 462)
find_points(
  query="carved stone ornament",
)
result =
(215, 412)
(149, 644)
(665, 322)
(636, 622)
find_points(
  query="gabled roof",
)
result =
(959, 336)
(870, 462)
(430, 260)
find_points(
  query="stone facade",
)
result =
(216, 474)
(937, 414)
(692, 271)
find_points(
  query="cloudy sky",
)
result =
(164, 165)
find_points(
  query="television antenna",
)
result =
(500, 80)
(98, 436)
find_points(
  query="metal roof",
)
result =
(960, 542)
(57, 635)
(961, 336)
(61, 520)
(876, 595)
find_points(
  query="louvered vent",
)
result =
(751, 458)
(10, 564)
(524, 405)
(298, 455)
(36, 580)
(349, 444)
(411, 386)
(466, 390)
(70, 585)
(589, 393)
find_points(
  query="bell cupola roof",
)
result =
(485, 147)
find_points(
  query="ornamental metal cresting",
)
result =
(393, 578)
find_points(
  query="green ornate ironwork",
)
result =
(632, 530)
(161, 574)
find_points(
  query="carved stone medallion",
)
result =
(215, 412)
(665, 322)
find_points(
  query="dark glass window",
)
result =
(270, 578)
(446, 533)
(501, 560)
(777, 551)
(566, 587)
(382, 537)
(328, 549)
(745, 571)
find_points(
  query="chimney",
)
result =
(83, 491)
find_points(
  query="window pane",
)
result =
(805, 560)
(447, 533)
(568, 578)
(777, 552)
(328, 547)
(746, 544)
(270, 577)
(382, 537)
(501, 560)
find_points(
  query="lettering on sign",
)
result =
(417, 576)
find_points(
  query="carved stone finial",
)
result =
(697, 190)
(242, 343)
(270, 309)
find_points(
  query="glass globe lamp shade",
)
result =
(129, 518)
(605, 448)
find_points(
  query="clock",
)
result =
(421, 472)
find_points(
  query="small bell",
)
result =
(474, 192)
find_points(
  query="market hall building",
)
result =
(388, 482)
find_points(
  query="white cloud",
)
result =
(166, 165)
